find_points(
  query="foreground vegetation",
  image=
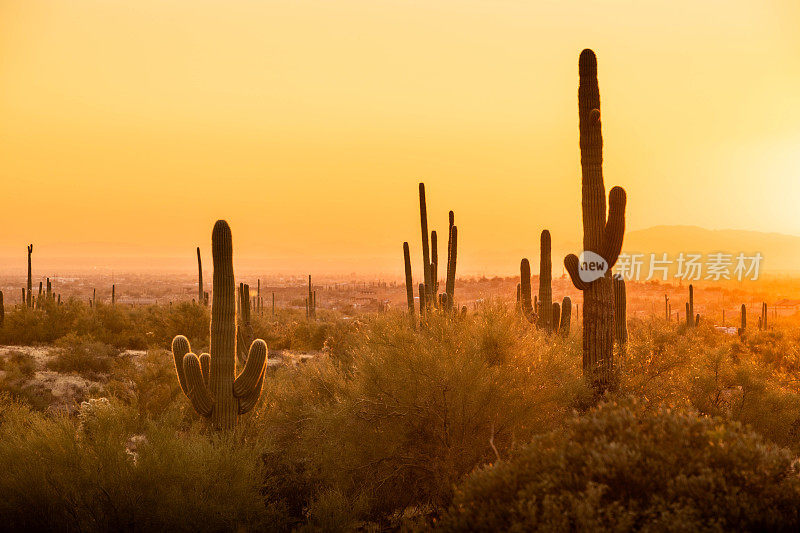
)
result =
(465, 424)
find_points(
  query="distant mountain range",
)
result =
(781, 253)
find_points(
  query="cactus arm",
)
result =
(247, 402)
(572, 264)
(615, 226)
(253, 369)
(197, 391)
(205, 366)
(180, 347)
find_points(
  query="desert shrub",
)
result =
(16, 361)
(17, 380)
(82, 355)
(412, 413)
(717, 374)
(149, 384)
(626, 468)
(91, 473)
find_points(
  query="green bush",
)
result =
(82, 355)
(403, 415)
(630, 468)
(94, 473)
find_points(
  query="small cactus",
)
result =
(200, 292)
(452, 254)
(409, 282)
(566, 316)
(556, 317)
(620, 312)
(545, 319)
(743, 325)
(28, 302)
(210, 381)
(525, 290)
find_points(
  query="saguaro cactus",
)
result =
(743, 325)
(525, 289)
(113, 294)
(690, 321)
(545, 319)
(409, 283)
(2, 310)
(210, 381)
(426, 257)
(555, 318)
(452, 254)
(200, 293)
(601, 235)
(620, 312)
(30, 286)
(566, 316)
(434, 265)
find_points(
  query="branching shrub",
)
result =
(630, 468)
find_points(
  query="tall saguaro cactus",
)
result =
(210, 381)
(601, 235)
(546, 319)
(30, 286)
(426, 257)
(200, 293)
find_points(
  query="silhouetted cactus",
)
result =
(422, 304)
(525, 289)
(210, 381)
(666, 307)
(764, 316)
(555, 319)
(409, 282)
(426, 258)
(743, 325)
(690, 307)
(434, 264)
(28, 302)
(566, 316)
(200, 291)
(451, 217)
(113, 294)
(601, 235)
(2, 310)
(545, 319)
(620, 311)
(452, 254)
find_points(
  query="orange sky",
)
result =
(307, 124)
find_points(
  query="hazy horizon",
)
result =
(308, 125)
